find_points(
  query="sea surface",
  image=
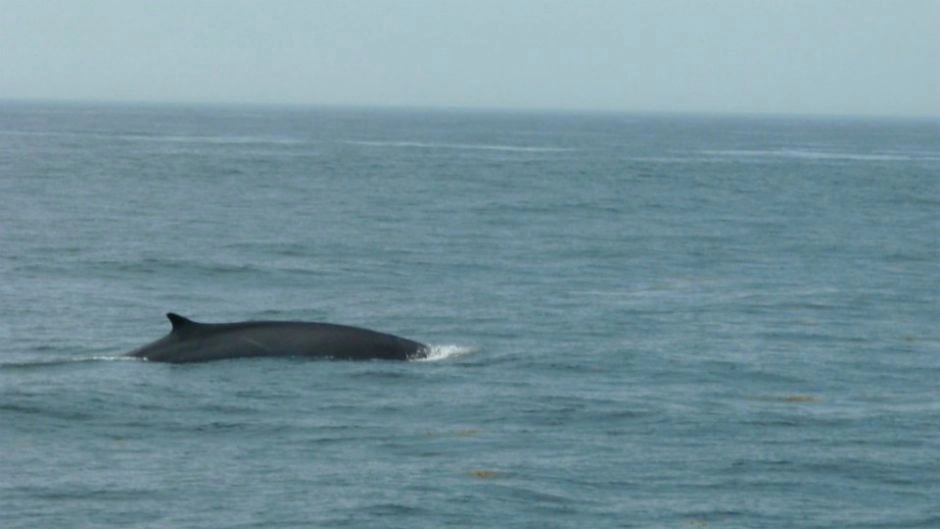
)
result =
(655, 321)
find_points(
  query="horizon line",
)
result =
(465, 108)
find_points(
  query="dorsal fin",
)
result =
(177, 321)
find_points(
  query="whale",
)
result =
(191, 341)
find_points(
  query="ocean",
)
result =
(636, 320)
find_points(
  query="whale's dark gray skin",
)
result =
(190, 341)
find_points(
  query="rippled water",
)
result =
(637, 321)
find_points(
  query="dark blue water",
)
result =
(637, 321)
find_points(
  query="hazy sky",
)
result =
(784, 56)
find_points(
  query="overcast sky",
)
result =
(785, 56)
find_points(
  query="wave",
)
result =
(158, 265)
(809, 154)
(459, 146)
(156, 138)
(445, 352)
(56, 362)
(437, 353)
(215, 140)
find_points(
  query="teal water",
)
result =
(637, 321)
